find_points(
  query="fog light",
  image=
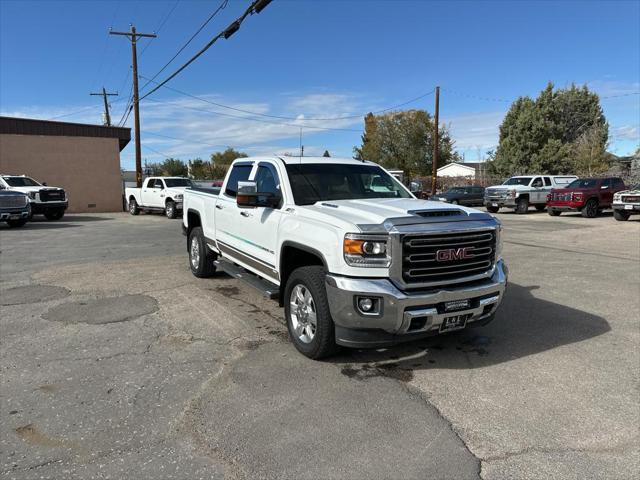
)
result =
(365, 304)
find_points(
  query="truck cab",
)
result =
(352, 263)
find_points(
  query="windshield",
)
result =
(583, 183)
(21, 182)
(518, 181)
(178, 182)
(313, 182)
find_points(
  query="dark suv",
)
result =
(588, 196)
(470, 196)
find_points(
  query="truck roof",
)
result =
(295, 160)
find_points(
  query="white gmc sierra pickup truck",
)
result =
(355, 259)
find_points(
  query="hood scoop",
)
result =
(436, 213)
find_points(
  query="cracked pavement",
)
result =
(117, 363)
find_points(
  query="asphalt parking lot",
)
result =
(117, 363)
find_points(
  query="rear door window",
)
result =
(239, 173)
(547, 182)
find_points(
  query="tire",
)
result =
(522, 207)
(553, 213)
(590, 210)
(454, 202)
(621, 215)
(17, 223)
(133, 206)
(54, 214)
(493, 209)
(305, 291)
(200, 257)
(540, 208)
(170, 209)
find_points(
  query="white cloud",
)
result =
(625, 132)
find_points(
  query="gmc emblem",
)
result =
(451, 254)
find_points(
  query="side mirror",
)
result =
(248, 196)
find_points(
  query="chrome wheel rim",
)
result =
(304, 318)
(194, 253)
(132, 207)
(169, 210)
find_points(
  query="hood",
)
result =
(506, 187)
(574, 190)
(633, 191)
(375, 211)
(33, 189)
(11, 193)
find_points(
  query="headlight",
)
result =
(617, 197)
(512, 193)
(32, 195)
(179, 196)
(367, 250)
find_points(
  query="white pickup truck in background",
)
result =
(522, 191)
(354, 258)
(160, 194)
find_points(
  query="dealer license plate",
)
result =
(456, 322)
(628, 207)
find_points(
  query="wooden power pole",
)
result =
(133, 37)
(434, 173)
(104, 95)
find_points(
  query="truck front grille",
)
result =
(52, 195)
(631, 198)
(444, 257)
(12, 201)
(561, 197)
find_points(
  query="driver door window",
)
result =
(268, 182)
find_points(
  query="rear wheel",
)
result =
(306, 308)
(54, 214)
(522, 206)
(170, 209)
(200, 257)
(590, 210)
(621, 215)
(17, 223)
(493, 209)
(553, 213)
(133, 206)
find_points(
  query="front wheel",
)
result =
(590, 210)
(200, 257)
(493, 209)
(54, 214)
(522, 206)
(170, 209)
(306, 310)
(133, 206)
(621, 215)
(454, 202)
(17, 223)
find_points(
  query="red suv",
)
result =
(588, 196)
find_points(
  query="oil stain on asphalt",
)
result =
(103, 310)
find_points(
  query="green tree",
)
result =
(200, 169)
(224, 159)
(404, 141)
(540, 136)
(172, 167)
(588, 156)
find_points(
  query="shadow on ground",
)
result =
(525, 325)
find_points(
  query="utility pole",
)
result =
(104, 95)
(133, 37)
(434, 173)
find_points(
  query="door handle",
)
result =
(246, 214)
(219, 207)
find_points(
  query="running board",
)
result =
(268, 289)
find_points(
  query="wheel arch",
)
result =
(294, 255)
(193, 220)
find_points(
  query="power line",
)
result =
(282, 117)
(215, 145)
(162, 23)
(255, 119)
(215, 12)
(255, 7)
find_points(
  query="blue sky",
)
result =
(317, 59)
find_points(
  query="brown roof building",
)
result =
(83, 159)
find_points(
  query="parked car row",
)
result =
(555, 193)
(22, 197)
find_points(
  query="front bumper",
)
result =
(627, 207)
(566, 206)
(44, 207)
(14, 213)
(509, 202)
(406, 316)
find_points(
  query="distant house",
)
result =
(457, 170)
